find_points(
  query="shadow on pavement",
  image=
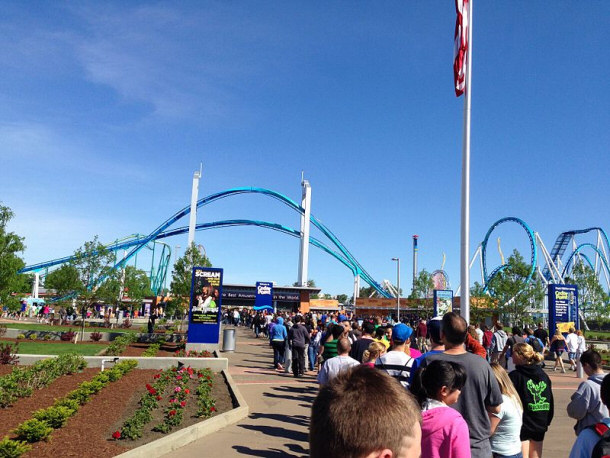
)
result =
(270, 453)
(300, 420)
(276, 431)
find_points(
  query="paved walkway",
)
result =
(280, 407)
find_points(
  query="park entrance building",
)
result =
(285, 298)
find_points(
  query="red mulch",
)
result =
(89, 432)
(23, 409)
(136, 349)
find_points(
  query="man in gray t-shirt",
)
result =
(481, 393)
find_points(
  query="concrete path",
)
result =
(278, 424)
(280, 407)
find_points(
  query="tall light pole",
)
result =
(397, 288)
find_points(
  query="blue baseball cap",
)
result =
(401, 332)
(342, 318)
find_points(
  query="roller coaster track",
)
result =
(497, 270)
(137, 244)
(562, 242)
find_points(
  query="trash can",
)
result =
(228, 339)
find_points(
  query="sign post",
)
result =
(443, 301)
(563, 308)
(264, 296)
(204, 309)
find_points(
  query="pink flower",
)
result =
(179, 377)
(183, 403)
(177, 389)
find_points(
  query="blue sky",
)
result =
(106, 110)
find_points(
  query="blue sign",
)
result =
(264, 296)
(563, 307)
(443, 301)
(205, 305)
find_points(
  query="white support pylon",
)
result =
(305, 223)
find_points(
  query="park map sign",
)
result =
(205, 305)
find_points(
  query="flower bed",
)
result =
(89, 431)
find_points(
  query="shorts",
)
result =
(572, 354)
(558, 353)
(537, 436)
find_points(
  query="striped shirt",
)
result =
(397, 364)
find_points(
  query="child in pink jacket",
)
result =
(444, 430)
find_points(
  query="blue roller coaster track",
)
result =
(135, 245)
(497, 270)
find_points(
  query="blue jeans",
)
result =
(278, 351)
(312, 354)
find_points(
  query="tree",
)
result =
(182, 276)
(64, 280)
(423, 288)
(10, 263)
(131, 283)
(516, 298)
(93, 264)
(592, 299)
(342, 298)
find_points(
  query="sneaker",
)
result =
(563, 371)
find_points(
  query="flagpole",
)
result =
(465, 224)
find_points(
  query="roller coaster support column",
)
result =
(194, 199)
(356, 288)
(415, 249)
(35, 285)
(305, 222)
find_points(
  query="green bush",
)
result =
(23, 381)
(118, 345)
(32, 336)
(20, 336)
(33, 430)
(13, 449)
(79, 396)
(152, 350)
(71, 404)
(55, 416)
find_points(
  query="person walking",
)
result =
(481, 394)
(498, 342)
(535, 391)
(572, 346)
(558, 344)
(298, 338)
(277, 339)
(506, 424)
(397, 362)
(444, 431)
(586, 405)
(581, 347)
(337, 364)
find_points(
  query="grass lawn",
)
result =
(42, 348)
(588, 334)
(47, 327)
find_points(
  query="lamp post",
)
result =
(397, 288)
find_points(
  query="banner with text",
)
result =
(205, 304)
(563, 307)
(264, 296)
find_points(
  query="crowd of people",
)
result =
(449, 389)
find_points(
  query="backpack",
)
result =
(536, 344)
(602, 448)
(487, 337)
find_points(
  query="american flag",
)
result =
(460, 50)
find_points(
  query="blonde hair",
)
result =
(375, 350)
(527, 353)
(506, 384)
